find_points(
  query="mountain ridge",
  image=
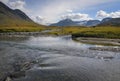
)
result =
(10, 17)
(65, 22)
(89, 23)
(69, 22)
(110, 22)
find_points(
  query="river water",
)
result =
(56, 59)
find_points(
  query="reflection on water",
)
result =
(55, 42)
(56, 59)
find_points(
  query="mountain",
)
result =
(110, 22)
(13, 18)
(106, 20)
(92, 23)
(65, 22)
(69, 22)
(81, 23)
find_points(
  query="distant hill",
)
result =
(65, 22)
(10, 18)
(69, 22)
(110, 22)
(89, 23)
(92, 23)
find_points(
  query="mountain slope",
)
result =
(69, 22)
(65, 22)
(110, 22)
(92, 23)
(10, 18)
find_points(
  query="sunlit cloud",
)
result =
(76, 16)
(56, 8)
(104, 14)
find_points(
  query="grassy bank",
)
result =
(99, 32)
(21, 29)
(95, 32)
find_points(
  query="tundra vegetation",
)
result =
(96, 32)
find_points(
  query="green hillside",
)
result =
(16, 20)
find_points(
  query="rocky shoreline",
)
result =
(112, 45)
(22, 33)
(25, 34)
(99, 41)
(113, 49)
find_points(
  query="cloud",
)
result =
(53, 9)
(69, 11)
(76, 16)
(115, 14)
(18, 4)
(104, 14)
(39, 19)
(4, 1)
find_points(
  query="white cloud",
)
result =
(40, 19)
(69, 11)
(115, 14)
(18, 4)
(55, 8)
(4, 1)
(76, 16)
(104, 14)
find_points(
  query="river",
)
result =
(48, 58)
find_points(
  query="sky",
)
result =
(51, 11)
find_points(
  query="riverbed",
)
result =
(48, 58)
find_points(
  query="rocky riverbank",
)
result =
(21, 33)
(112, 45)
(99, 41)
(24, 34)
(113, 49)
